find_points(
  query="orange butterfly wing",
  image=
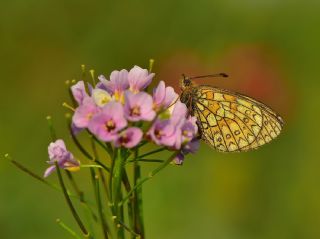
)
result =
(231, 122)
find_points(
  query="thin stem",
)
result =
(80, 194)
(90, 166)
(68, 229)
(95, 153)
(104, 182)
(83, 150)
(142, 144)
(75, 186)
(151, 63)
(106, 216)
(84, 77)
(103, 166)
(128, 229)
(146, 160)
(32, 174)
(29, 172)
(68, 200)
(74, 103)
(114, 157)
(120, 217)
(92, 77)
(125, 181)
(78, 144)
(137, 199)
(117, 175)
(51, 128)
(130, 206)
(152, 152)
(107, 147)
(150, 175)
(95, 181)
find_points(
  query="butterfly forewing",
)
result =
(231, 122)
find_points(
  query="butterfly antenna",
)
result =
(212, 75)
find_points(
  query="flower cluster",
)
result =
(119, 110)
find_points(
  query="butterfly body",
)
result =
(229, 121)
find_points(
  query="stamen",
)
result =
(135, 111)
(124, 139)
(64, 104)
(185, 133)
(92, 76)
(89, 116)
(110, 125)
(158, 133)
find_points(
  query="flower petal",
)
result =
(139, 78)
(49, 171)
(129, 138)
(79, 92)
(101, 97)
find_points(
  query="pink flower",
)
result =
(169, 132)
(189, 129)
(163, 132)
(190, 147)
(163, 96)
(107, 123)
(84, 113)
(129, 138)
(117, 85)
(58, 153)
(179, 113)
(79, 92)
(138, 106)
(139, 79)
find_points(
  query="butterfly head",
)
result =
(185, 82)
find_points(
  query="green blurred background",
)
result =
(271, 50)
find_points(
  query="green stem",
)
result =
(96, 157)
(117, 174)
(146, 160)
(151, 152)
(80, 195)
(37, 177)
(107, 147)
(51, 128)
(137, 199)
(104, 182)
(120, 218)
(75, 186)
(114, 157)
(83, 150)
(134, 234)
(95, 182)
(130, 206)
(68, 200)
(68, 229)
(90, 166)
(150, 175)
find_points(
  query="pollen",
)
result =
(135, 111)
(110, 125)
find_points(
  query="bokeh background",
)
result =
(271, 51)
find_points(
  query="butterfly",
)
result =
(229, 121)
